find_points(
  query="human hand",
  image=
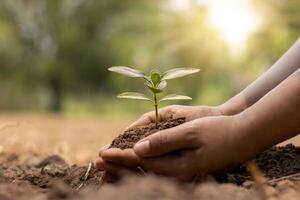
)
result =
(169, 112)
(178, 111)
(207, 145)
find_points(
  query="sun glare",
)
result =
(180, 5)
(234, 19)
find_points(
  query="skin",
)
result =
(265, 113)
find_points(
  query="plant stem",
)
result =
(156, 110)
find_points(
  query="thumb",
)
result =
(166, 141)
(143, 120)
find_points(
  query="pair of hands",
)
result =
(206, 143)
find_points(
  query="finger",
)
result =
(170, 165)
(111, 167)
(117, 169)
(168, 140)
(165, 165)
(164, 114)
(143, 120)
(100, 164)
(103, 148)
(125, 157)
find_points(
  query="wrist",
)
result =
(251, 135)
(233, 106)
(244, 143)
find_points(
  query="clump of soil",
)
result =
(128, 139)
(44, 172)
(275, 162)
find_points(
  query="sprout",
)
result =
(156, 82)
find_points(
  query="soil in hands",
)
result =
(130, 137)
(275, 162)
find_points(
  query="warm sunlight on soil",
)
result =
(77, 139)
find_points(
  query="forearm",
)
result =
(282, 69)
(273, 119)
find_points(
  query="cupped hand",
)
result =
(177, 111)
(113, 160)
(199, 147)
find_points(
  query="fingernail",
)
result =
(142, 147)
(102, 149)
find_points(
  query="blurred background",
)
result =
(54, 56)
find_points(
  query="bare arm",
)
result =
(235, 139)
(274, 118)
(282, 69)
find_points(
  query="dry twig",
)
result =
(141, 169)
(86, 175)
(284, 178)
(258, 179)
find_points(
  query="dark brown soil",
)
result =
(52, 178)
(44, 172)
(275, 162)
(130, 137)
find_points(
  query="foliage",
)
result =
(53, 52)
(156, 83)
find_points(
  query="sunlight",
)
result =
(180, 5)
(234, 19)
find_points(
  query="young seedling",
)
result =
(156, 82)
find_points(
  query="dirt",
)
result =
(274, 163)
(51, 178)
(44, 172)
(131, 136)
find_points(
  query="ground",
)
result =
(28, 169)
(77, 139)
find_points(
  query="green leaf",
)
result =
(155, 77)
(127, 71)
(171, 97)
(179, 72)
(153, 88)
(162, 85)
(133, 95)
